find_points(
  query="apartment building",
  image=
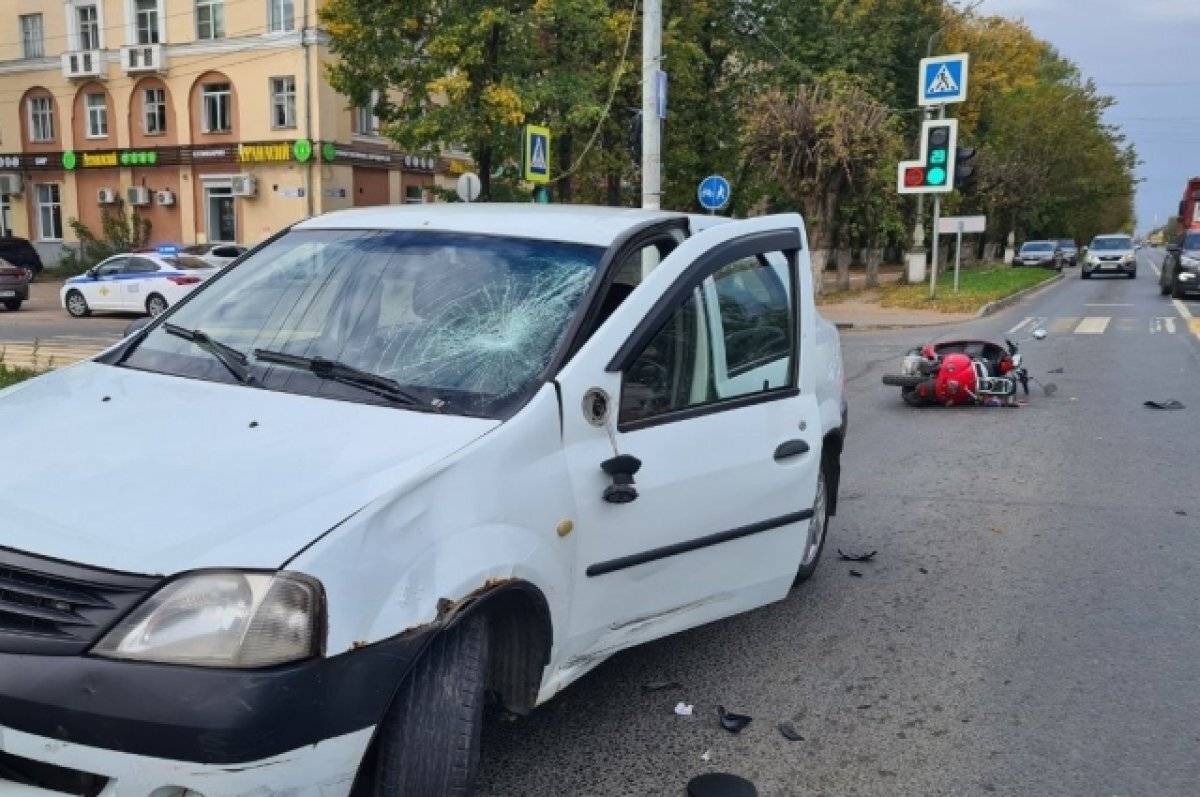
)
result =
(212, 117)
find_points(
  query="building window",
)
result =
(147, 21)
(89, 27)
(210, 19)
(365, 122)
(413, 195)
(283, 102)
(97, 116)
(49, 212)
(154, 108)
(41, 119)
(220, 213)
(31, 36)
(282, 15)
(216, 99)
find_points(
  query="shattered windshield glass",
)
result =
(466, 322)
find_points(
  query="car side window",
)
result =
(112, 267)
(732, 338)
(225, 251)
(140, 265)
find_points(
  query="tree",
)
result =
(119, 232)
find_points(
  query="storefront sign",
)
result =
(336, 153)
(110, 159)
(264, 153)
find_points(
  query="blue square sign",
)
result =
(943, 79)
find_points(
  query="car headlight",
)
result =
(222, 619)
(1129, 258)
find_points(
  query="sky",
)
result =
(1146, 55)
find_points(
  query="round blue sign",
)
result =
(714, 192)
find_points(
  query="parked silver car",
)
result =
(1044, 254)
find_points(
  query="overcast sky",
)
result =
(1146, 55)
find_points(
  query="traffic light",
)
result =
(934, 172)
(964, 175)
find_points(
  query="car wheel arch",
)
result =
(831, 463)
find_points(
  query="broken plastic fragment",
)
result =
(923, 570)
(683, 709)
(734, 723)
(856, 557)
(856, 574)
(1055, 371)
(661, 686)
(1169, 404)
(720, 784)
(789, 732)
(706, 756)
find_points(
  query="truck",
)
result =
(1189, 206)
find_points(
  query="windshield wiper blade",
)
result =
(233, 360)
(340, 372)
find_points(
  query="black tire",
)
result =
(156, 305)
(816, 531)
(13, 304)
(1165, 289)
(1132, 275)
(77, 306)
(1087, 275)
(429, 743)
(1176, 291)
(897, 380)
(912, 398)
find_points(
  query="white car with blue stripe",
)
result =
(134, 283)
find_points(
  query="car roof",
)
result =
(1113, 235)
(1040, 241)
(586, 224)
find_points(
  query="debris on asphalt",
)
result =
(734, 723)
(856, 557)
(1169, 404)
(856, 574)
(863, 706)
(1055, 371)
(997, 530)
(683, 709)
(923, 570)
(661, 686)
(1181, 513)
(720, 784)
(789, 732)
(706, 756)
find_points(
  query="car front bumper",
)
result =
(152, 730)
(1110, 267)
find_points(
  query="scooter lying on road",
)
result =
(961, 372)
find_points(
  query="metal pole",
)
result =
(937, 217)
(957, 255)
(651, 124)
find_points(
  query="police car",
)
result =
(136, 283)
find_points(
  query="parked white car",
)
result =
(216, 254)
(134, 283)
(429, 452)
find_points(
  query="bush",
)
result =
(120, 232)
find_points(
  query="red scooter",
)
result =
(960, 372)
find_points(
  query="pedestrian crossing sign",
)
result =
(535, 153)
(943, 79)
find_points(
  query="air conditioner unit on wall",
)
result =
(106, 196)
(138, 195)
(11, 184)
(244, 185)
(165, 198)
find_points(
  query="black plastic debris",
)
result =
(1055, 371)
(856, 557)
(720, 784)
(661, 686)
(923, 570)
(734, 723)
(789, 732)
(856, 574)
(863, 706)
(1181, 513)
(1169, 404)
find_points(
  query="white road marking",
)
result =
(1163, 324)
(1157, 271)
(1019, 327)
(1092, 325)
(1090, 304)
(1182, 308)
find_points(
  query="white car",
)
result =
(135, 283)
(431, 453)
(216, 254)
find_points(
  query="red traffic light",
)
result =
(914, 176)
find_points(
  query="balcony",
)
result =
(140, 58)
(83, 64)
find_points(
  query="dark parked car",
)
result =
(1181, 267)
(1045, 254)
(1070, 251)
(14, 285)
(20, 253)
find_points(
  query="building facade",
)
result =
(211, 117)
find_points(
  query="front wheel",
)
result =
(156, 305)
(429, 743)
(899, 380)
(814, 539)
(77, 306)
(1165, 290)
(1087, 275)
(1176, 290)
(1132, 275)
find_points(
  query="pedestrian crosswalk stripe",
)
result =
(1062, 326)
(43, 356)
(1093, 325)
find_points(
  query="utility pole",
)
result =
(651, 124)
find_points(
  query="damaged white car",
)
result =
(391, 461)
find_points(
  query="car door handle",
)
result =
(791, 448)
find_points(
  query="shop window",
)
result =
(97, 116)
(41, 119)
(216, 110)
(49, 204)
(283, 102)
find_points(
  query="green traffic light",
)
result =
(938, 157)
(935, 176)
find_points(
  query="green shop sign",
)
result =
(110, 160)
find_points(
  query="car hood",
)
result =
(155, 474)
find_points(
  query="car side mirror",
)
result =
(138, 325)
(90, 273)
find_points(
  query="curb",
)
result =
(1009, 301)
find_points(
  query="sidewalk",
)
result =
(860, 310)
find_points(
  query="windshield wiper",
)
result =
(340, 372)
(233, 360)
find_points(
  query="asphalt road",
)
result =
(42, 330)
(1028, 626)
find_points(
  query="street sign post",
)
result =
(958, 226)
(713, 193)
(943, 79)
(468, 187)
(535, 152)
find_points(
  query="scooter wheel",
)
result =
(897, 380)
